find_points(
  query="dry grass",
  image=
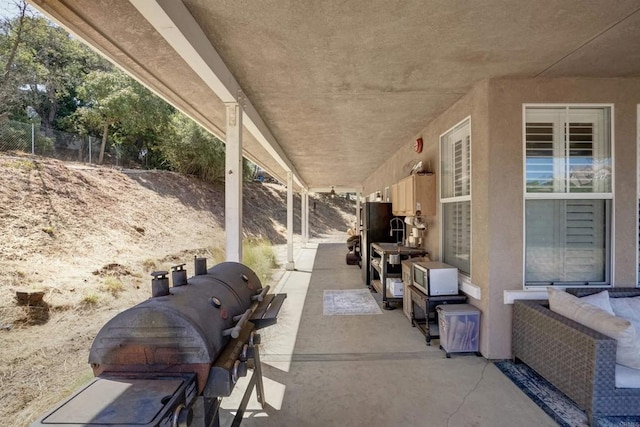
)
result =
(50, 231)
(101, 230)
(25, 165)
(149, 265)
(258, 255)
(90, 300)
(113, 286)
(29, 382)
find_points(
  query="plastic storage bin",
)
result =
(459, 328)
(394, 287)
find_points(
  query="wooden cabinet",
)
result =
(394, 196)
(413, 193)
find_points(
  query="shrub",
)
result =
(50, 231)
(113, 286)
(91, 299)
(258, 255)
(149, 265)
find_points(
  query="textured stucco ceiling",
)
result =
(342, 85)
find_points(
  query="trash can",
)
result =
(459, 328)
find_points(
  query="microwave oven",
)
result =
(435, 278)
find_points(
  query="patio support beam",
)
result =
(233, 183)
(305, 218)
(358, 213)
(290, 265)
(177, 26)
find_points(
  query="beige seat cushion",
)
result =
(628, 348)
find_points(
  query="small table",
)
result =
(424, 305)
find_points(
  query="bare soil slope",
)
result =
(69, 229)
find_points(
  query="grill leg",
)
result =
(206, 412)
(255, 381)
(245, 400)
(258, 372)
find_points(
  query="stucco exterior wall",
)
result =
(506, 242)
(495, 109)
(399, 165)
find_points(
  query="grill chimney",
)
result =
(178, 275)
(159, 284)
(200, 266)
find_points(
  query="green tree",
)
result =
(113, 104)
(42, 66)
(191, 150)
(138, 133)
(106, 98)
(11, 31)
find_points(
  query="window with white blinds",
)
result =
(455, 196)
(567, 195)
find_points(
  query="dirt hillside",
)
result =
(88, 237)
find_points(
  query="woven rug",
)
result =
(555, 403)
(349, 302)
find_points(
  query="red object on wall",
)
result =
(417, 146)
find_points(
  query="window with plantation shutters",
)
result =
(455, 196)
(567, 195)
(540, 154)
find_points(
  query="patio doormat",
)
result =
(555, 403)
(349, 302)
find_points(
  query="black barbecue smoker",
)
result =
(170, 360)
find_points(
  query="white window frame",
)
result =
(610, 232)
(465, 279)
(638, 194)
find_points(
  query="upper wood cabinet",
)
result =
(413, 193)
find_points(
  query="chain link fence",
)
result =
(31, 138)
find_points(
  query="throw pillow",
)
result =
(628, 346)
(628, 308)
(600, 300)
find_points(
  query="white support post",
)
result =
(33, 139)
(307, 218)
(290, 265)
(233, 183)
(90, 149)
(358, 217)
(303, 211)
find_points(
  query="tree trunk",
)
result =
(51, 114)
(14, 48)
(105, 131)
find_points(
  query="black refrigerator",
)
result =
(375, 219)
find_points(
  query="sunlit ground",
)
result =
(278, 341)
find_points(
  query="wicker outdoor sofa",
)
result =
(577, 360)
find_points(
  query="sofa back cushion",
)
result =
(628, 346)
(600, 300)
(628, 308)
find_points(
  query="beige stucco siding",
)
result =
(496, 108)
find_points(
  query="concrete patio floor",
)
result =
(367, 370)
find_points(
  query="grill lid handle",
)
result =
(242, 320)
(261, 295)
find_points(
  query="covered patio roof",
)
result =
(331, 90)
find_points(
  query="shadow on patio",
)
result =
(367, 370)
